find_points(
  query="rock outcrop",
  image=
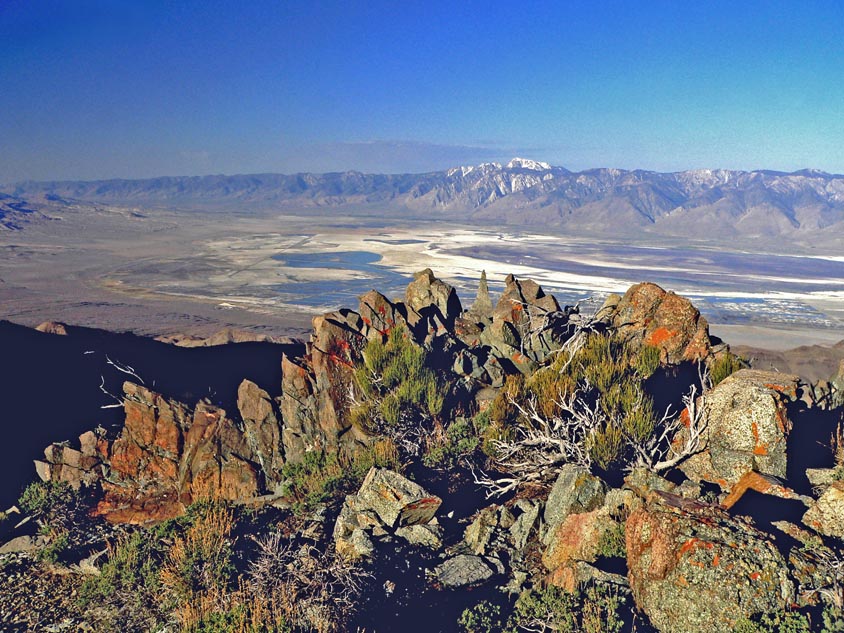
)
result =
(167, 456)
(648, 315)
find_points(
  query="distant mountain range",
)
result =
(522, 192)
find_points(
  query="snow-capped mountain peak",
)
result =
(527, 163)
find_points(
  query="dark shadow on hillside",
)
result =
(809, 443)
(50, 385)
(668, 385)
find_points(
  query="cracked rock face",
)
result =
(167, 456)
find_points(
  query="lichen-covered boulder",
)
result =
(464, 570)
(577, 538)
(386, 503)
(748, 428)
(695, 569)
(649, 315)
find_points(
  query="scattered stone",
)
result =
(822, 476)
(463, 570)
(23, 543)
(827, 513)
(52, 327)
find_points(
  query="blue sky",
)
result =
(119, 88)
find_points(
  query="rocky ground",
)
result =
(507, 466)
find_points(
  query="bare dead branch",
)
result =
(125, 369)
(118, 402)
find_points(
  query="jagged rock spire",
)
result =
(482, 307)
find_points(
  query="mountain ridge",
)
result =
(761, 203)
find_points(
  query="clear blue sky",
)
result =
(98, 89)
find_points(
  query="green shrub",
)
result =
(593, 609)
(607, 379)
(59, 544)
(43, 498)
(647, 360)
(786, 622)
(396, 384)
(724, 365)
(200, 557)
(459, 439)
(484, 617)
(132, 566)
(833, 620)
(322, 476)
(612, 542)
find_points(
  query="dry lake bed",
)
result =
(158, 271)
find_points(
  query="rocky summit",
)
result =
(514, 465)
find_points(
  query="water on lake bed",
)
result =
(728, 287)
(368, 274)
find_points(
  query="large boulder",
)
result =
(648, 315)
(429, 297)
(379, 314)
(695, 569)
(396, 500)
(748, 428)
